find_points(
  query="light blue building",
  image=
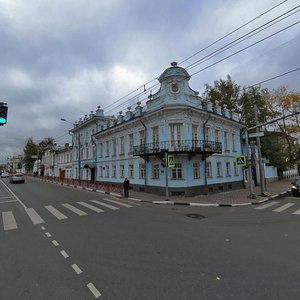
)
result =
(176, 128)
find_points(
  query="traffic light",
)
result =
(3, 115)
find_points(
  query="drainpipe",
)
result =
(205, 175)
(146, 161)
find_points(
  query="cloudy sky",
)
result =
(64, 58)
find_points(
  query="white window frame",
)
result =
(177, 172)
(219, 169)
(196, 170)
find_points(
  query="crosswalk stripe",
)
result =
(9, 221)
(56, 213)
(34, 216)
(267, 205)
(116, 202)
(283, 207)
(297, 212)
(105, 204)
(92, 207)
(74, 209)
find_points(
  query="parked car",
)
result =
(4, 175)
(296, 187)
(16, 177)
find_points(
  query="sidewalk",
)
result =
(231, 198)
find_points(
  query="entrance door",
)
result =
(93, 172)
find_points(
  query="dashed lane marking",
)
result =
(297, 212)
(64, 253)
(76, 269)
(93, 289)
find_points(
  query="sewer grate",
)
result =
(195, 216)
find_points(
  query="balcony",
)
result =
(190, 147)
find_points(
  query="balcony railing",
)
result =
(183, 146)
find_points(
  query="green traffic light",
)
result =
(2, 121)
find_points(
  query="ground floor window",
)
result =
(142, 170)
(131, 170)
(155, 171)
(177, 172)
(208, 169)
(196, 170)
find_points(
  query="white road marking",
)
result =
(56, 213)
(116, 202)
(74, 209)
(55, 243)
(9, 221)
(7, 201)
(12, 193)
(64, 253)
(48, 234)
(34, 216)
(105, 205)
(92, 207)
(297, 212)
(76, 269)
(43, 228)
(7, 197)
(267, 205)
(93, 289)
(283, 207)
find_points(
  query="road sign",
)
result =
(254, 134)
(241, 160)
(171, 161)
(34, 156)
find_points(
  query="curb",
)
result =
(169, 202)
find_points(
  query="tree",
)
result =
(44, 144)
(30, 149)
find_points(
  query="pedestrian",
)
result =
(126, 188)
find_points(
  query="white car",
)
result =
(16, 177)
(4, 175)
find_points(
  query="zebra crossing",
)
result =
(60, 211)
(277, 207)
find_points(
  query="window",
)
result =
(121, 171)
(100, 150)
(234, 142)
(130, 150)
(226, 141)
(236, 169)
(207, 133)
(219, 169)
(196, 170)
(122, 145)
(94, 151)
(208, 169)
(155, 137)
(142, 137)
(228, 171)
(177, 173)
(100, 171)
(114, 147)
(114, 171)
(217, 135)
(107, 171)
(107, 148)
(195, 135)
(142, 170)
(155, 171)
(175, 134)
(131, 170)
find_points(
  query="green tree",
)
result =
(31, 148)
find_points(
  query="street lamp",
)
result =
(79, 162)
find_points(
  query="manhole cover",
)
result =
(195, 216)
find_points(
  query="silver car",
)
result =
(17, 177)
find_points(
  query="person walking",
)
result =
(126, 187)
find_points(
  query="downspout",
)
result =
(205, 174)
(145, 161)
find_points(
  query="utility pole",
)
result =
(167, 175)
(260, 164)
(249, 159)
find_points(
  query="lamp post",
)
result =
(79, 162)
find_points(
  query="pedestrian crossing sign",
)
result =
(171, 161)
(241, 160)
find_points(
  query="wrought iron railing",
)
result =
(197, 146)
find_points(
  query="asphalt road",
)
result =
(54, 245)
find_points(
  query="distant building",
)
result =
(63, 162)
(176, 125)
